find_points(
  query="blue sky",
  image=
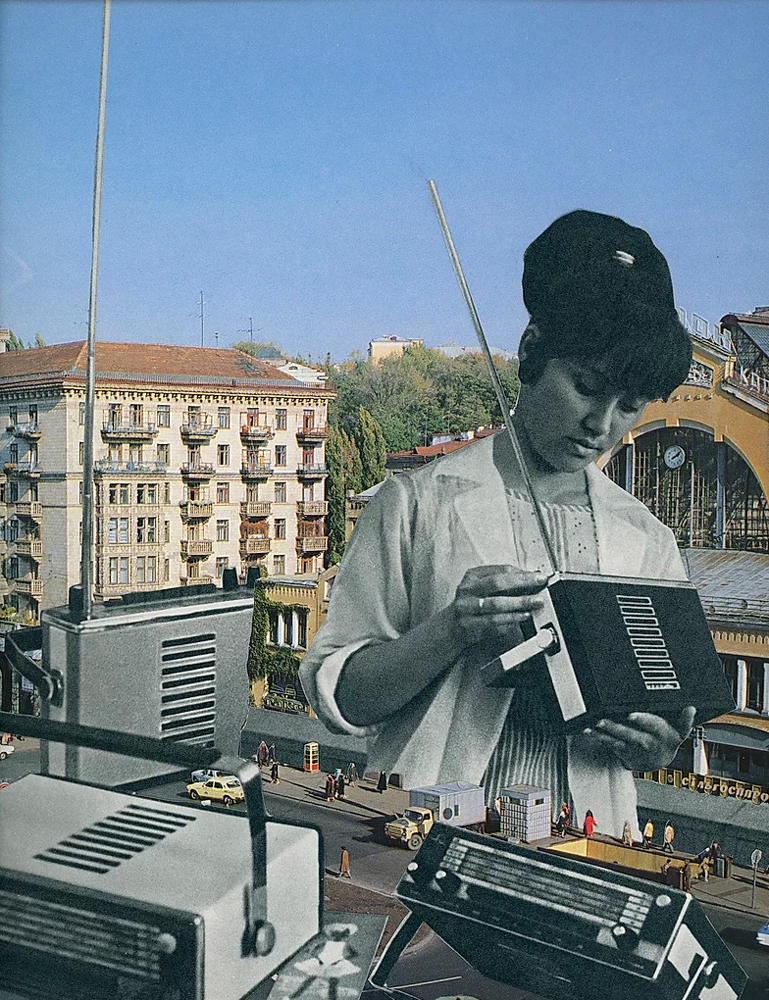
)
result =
(274, 155)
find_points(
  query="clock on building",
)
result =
(674, 456)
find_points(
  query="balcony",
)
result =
(255, 471)
(107, 465)
(32, 547)
(198, 471)
(256, 508)
(312, 543)
(256, 432)
(198, 428)
(255, 545)
(29, 430)
(312, 508)
(195, 581)
(29, 508)
(29, 586)
(196, 509)
(30, 470)
(113, 430)
(196, 548)
(312, 432)
(311, 471)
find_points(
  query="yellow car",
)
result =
(226, 789)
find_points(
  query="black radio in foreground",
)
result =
(612, 646)
(559, 927)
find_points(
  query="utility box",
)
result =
(525, 812)
(311, 757)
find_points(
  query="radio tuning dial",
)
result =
(166, 943)
(625, 937)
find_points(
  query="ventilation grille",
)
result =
(70, 932)
(106, 844)
(188, 689)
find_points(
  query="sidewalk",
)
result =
(311, 785)
(735, 893)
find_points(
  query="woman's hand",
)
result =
(492, 599)
(644, 742)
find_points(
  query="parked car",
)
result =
(205, 774)
(762, 935)
(5, 749)
(225, 789)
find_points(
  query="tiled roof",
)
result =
(136, 360)
(430, 451)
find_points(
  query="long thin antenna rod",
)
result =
(201, 319)
(86, 564)
(500, 392)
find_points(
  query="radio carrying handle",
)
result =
(259, 934)
(395, 948)
(50, 683)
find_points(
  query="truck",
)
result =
(458, 803)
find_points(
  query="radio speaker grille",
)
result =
(69, 932)
(188, 689)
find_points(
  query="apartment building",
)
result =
(203, 459)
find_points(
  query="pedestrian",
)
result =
(703, 860)
(381, 785)
(665, 868)
(330, 787)
(667, 838)
(627, 834)
(589, 824)
(398, 660)
(352, 774)
(274, 773)
(262, 754)
(648, 833)
(562, 822)
(344, 863)
(273, 756)
(340, 786)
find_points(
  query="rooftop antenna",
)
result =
(201, 319)
(86, 567)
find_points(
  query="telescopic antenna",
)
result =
(86, 566)
(504, 406)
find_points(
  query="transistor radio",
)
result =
(611, 645)
(169, 664)
(108, 894)
(559, 927)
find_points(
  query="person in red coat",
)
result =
(589, 824)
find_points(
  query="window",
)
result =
(146, 530)
(115, 413)
(81, 452)
(166, 533)
(13, 452)
(81, 414)
(222, 492)
(80, 492)
(147, 493)
(280, 454)
(288, 629)
(222, 531)
(279, 564)
(115, 454)
(32, 413)
(123, 570)
(152, 569)
(112, 536)
(13, 492)
(136, 414)
(118, 530)
(140, 569)
(280, 527)
(164, 416)
(308, 456)
(135, 453)
(13, 414)
(125, 493)
(280, 492)
(164, 454)
(224, 417)
(113, 569)
(302, 637)
(223, 454)
(122, 533)
(166, 493)
(166, 570)
(252, 493)
(308, 419)
(221, 566)
(273, 628)
(281, 419)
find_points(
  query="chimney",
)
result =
(5, 336)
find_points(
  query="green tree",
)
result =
(335, 495)
(39, 342)
(14, 342)
(351, 465)
(263, 660)
(371, 448)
